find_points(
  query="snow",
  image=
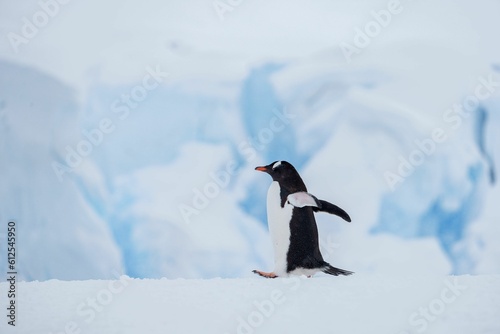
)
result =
(354, 304)
(165, 205)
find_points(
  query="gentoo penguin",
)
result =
(290, 216)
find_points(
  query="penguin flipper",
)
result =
(301, 199)
(333, 209)
(336, 271)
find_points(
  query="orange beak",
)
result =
(262, 169)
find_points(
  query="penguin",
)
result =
(290, 215)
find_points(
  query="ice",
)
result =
(170, 226)
(59, 233)
(239, 95)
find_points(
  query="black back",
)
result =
(304, 250)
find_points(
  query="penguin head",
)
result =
(285, 174)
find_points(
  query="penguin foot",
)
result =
(264, 274)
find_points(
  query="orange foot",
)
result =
(264, 274)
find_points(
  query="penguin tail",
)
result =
(328, 269)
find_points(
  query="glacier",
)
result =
(171, 192)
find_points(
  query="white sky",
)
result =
(118, 39)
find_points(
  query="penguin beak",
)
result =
(261, 168)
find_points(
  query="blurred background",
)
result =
(129, 133)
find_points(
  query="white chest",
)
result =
(278, 219)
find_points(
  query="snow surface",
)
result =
(355, 304)
(343, 125)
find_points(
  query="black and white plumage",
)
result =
(290, 215)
